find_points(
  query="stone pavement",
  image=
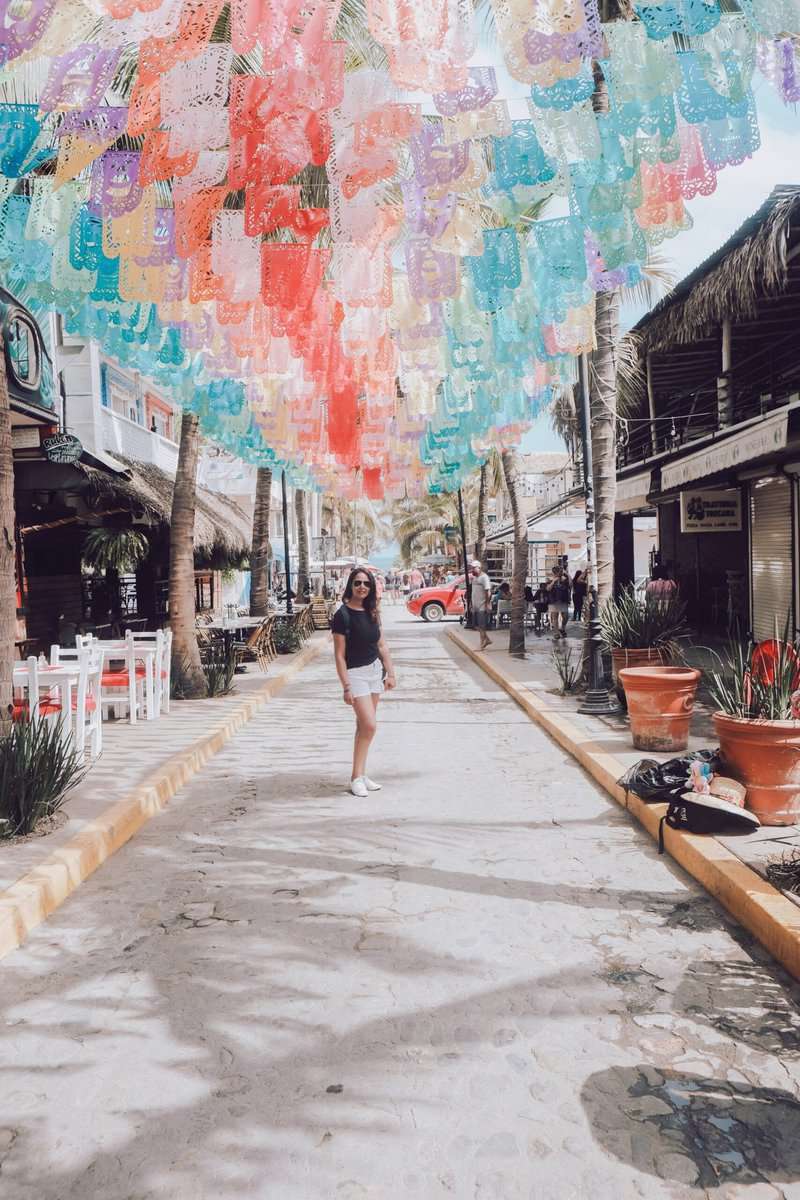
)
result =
(480, 983)
(130, 755)
(537, 672)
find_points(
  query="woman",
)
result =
(362, 657)
(579, 585)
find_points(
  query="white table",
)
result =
(146, 651)
(228, 623)
(64, 677)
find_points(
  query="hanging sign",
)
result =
(62, 448)
(711, 512)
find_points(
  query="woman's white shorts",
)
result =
(365, 681)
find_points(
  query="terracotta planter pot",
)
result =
(660, 702)
(765, 757)
(637, 658)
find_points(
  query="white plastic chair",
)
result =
(162, 639)
(87, 710)
(33, 705)
(122, 687)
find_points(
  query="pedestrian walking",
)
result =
(481, 601)
(416, 579)
(579, 586)
(558, 602)
(364, 666)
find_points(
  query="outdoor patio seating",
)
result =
(260, 645)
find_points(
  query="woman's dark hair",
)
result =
(371, 599)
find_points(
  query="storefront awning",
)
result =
(632, 492)
(758, 440)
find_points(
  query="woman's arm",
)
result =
(339, 647)
(386, 659)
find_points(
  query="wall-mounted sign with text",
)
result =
(62, 448)
(711, 512)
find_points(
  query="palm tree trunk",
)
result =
(8, 595)
(519, 574)
(480, 541)
(603, 397)
(260, 551)
(302, 543)
(186, 665)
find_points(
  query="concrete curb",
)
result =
(755, 904)
(37, 894)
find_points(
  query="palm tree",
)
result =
(186, 664)
(491, 483)
(519, 574)
(8, 598)
(480, 541)
(118, 550)
(261, 550)
(421, 523)
(302, 542)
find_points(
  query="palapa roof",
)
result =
(222, 531)
(750, 265)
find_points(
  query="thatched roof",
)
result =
(750, 265)
(222, 531)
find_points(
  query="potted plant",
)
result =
(660, 701)
(757, 694)
(640, 628)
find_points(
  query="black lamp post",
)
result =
(286, 543)
(467, 583)
(597, 702)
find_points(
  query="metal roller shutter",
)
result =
(771, 555)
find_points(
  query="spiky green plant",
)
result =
(37, 770)
(631, 621)
(758, 683)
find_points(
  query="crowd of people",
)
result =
(549, 605)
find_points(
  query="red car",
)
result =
(433, 603)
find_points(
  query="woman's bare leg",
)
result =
(365, 731)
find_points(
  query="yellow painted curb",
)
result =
(754, 902)
(36, 895)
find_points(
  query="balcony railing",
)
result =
(121, 436)
(755, 387)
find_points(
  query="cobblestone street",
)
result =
(480, 983)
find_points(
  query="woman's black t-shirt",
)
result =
(361, 644)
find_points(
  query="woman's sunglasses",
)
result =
(361, 583)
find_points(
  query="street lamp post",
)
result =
(467, 584)
(597, 702)
(287, 569)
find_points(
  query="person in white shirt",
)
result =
(481, 588)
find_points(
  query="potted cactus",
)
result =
(756, 689)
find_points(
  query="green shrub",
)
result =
(220, 661)
(568, 668)
(287, 639)
(634, 622)
(37, 769)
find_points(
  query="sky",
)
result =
(740, 191)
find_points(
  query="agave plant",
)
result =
(632, 621)
(37, 769)
(760, 682)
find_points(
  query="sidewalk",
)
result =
(731, 867)
(140, 768)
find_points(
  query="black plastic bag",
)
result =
(665, 782)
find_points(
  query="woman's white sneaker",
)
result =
(359, 787)
(372, 786)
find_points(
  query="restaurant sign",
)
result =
(711, 512)
(62, 448)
